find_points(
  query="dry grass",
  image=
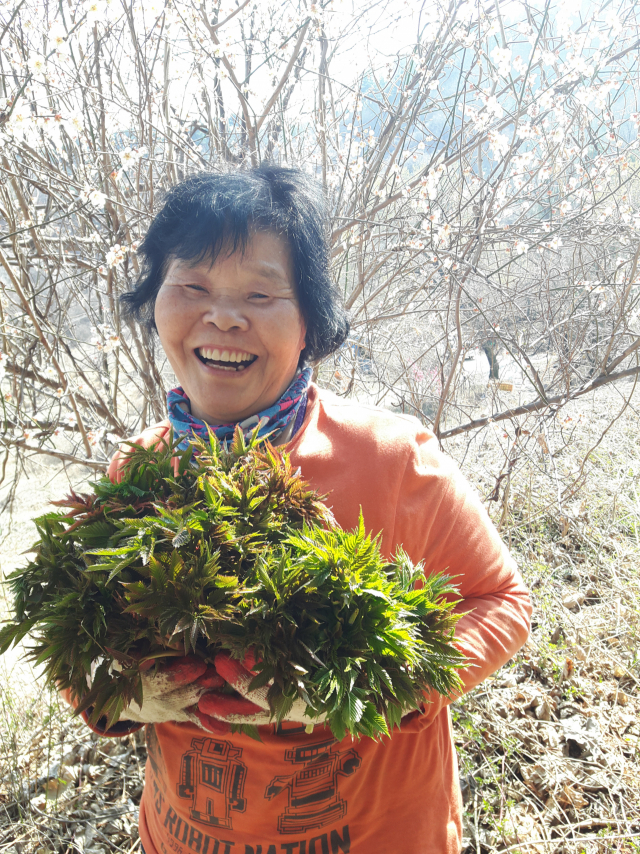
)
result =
(62, 788)
(549, 748)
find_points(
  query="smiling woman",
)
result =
(211, 215)
(233, 330)
(236, 283)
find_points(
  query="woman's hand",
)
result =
(169, 691)
(245, 707)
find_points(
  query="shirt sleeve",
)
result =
(443, 520)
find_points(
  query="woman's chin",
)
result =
(220, 396)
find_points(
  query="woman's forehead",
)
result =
(266, 254)
(260, 246)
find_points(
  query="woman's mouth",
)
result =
(227, 360)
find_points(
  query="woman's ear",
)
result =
(303, 337)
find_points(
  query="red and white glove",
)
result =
(245, 707)
(169, 691)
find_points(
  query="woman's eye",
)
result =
(196, 288)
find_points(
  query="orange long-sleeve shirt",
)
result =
(306, 793)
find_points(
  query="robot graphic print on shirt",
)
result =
(212, 775)
(314, 799)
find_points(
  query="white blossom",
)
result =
(104, 338)
(444, 233)
(430, 182)
(612, 21)
(499, 143)
(95, 11)
(95, 436)
(493, 107)
(115, 255)
(38, 64)
(130, 157)
(501, 57)
(93, 196)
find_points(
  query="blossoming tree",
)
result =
(481, 165)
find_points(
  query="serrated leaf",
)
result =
(355, 709)
(181, 538)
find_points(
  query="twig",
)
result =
(535, 843)
(537, 405)
(21, 443)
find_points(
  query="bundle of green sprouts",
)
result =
(214, 549)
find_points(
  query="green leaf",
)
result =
(247, 729)
(370, 591)
(185, 459)
(262, 678)
(372, 722)
(355, 709)
(125, 550)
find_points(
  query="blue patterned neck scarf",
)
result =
(290, 408)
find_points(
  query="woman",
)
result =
(237, 285)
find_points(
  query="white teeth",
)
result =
(216, 355)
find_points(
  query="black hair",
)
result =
(208, 213)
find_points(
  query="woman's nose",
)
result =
(226, 312)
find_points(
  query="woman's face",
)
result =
(232, 331)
